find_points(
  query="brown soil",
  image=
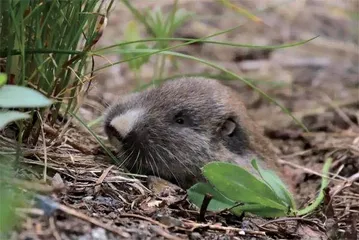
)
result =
(318, 82)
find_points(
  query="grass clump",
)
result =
(46, 46)
(44, 51)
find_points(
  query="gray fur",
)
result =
(157, 145)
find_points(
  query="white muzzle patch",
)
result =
(125, 122)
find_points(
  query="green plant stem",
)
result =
(41, 41)
(138, 15)
(96, 137)
(324, 184)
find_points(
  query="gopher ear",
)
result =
(228, 127)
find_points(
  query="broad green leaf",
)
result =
(276, 184)
(259, 210)
(218, 202)
(239, 185)
(11, 116)
(21, 97)
(2, 79)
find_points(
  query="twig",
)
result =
(230, 208)
(337, 189)
(55, 233)
(69, 141)
(293, 219)
(336, 108)
(130, 215)
(313, 172)
(296, 154)
(94, 221)
(33, 186)
(322, 109)
(32, 211)
(101, 178)
(164, 233)
(44, 146)
(240, 231)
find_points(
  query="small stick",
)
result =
(293, 219)
(341, 179)
(240, 231)
(164, 233)
(55, 233)
(101, 178)
(94, 221)
(143, 218)
(230, 208)
(44, 147)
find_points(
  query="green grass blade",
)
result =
(204, 40)
(96, 137)
(324, 184)
(154, 51)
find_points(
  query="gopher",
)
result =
(173, 130)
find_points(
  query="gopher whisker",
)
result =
(154, 162)
(175, 157)
(169, 169)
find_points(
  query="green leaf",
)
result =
(21, 97)
(11, 116)
(259, 210)
(276, 184)
(218, 202)
(3, 79)
(239, 185)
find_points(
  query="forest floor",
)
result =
(93, 199)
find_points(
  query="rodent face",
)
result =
(173, 130)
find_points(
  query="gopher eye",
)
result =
(182, 119)
(179, 120)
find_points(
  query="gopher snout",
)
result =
(122, 124)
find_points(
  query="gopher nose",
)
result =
(124, 123)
